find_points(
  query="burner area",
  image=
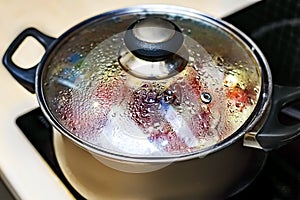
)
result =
(40, 133)
(275, 28)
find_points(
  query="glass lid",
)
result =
(150, 83)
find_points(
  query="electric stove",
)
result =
(275, 28)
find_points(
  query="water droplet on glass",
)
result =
(156, 125)
(256, 90)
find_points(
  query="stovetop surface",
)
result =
(275, 28)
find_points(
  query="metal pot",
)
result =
(165, 96)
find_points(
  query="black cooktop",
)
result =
(275, 28)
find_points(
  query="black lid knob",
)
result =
(153, 39)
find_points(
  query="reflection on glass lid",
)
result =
(193, 95)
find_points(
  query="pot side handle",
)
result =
(274, 134)
(26, 77)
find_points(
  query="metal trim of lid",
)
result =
(256, 115)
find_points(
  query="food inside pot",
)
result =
(95, 99)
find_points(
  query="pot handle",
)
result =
(26, 77)
(274, 134)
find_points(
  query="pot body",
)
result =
(216, 176)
